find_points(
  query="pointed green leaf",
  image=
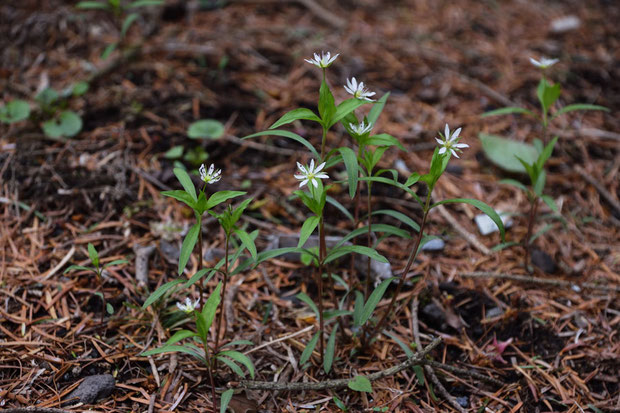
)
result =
(482, 207)
(188, 246)
(131, 17)
(399, 216)
(156, 295)
(330, 350)
(305, 355)
(221, 196)
(180, 335)
(327, 107)
(377, 108)
(340, 207)
(115, 262)
(296, 114)
(225, 400)
(240, 358)
(350, 162)
(289, 135)
(384, 139)
(306, 229)
(210, 307)
(94, 256)
(304, 297)
(247, 241)
(579, 106)
(551, 203)
(182, 196)
(514, 183)
(233, 366)
(108, 51)
(175, 349)
(373, 300)
(508, 110)
(79, 267)
(346, 107)
(336, 253)
(86, 5)
(186, 182)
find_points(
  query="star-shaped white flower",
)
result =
(310, 174)
(450, 142)
(358, 90)
(212, 175)
(323, 61)
(362, 128)
(189, 306)
(543, 63)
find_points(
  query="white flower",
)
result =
(358, 90)
(544, 62)
(362, 128)
(309, 173)
(450, 142)
(212, 176)
(188, 307)
(323, 61)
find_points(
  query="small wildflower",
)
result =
(309, 173)
(543, 63)
(450, 142)
(323, 61)
(212, 175)
(188, 307)
(362, 128)
(358, 90)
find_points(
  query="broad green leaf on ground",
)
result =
(361, 384)
(14, 111)
(502, 151)
(67, 125)
(206, 129)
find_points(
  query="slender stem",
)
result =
(322, 253)
(530, 227)
(403, 275)
(221, 314)
(369, 239)
(323, 141)
(200, 285)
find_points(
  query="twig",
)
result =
(36, 410)
(418, 359)
(600, 188)
(280, 339)
(326, 15)
(471, 238)
(548, 281)
(60, 264)
(471, 373)
(429, 370)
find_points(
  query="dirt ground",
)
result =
(242, 63)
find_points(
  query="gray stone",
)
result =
(486, 225)
(92, 389)
(436, 244)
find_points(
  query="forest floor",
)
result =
(241, 62)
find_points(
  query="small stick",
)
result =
(418, 359)
(548, 281)
(471, 238)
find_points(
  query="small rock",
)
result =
(494, 312)
(434, 313)
(92, 389)
(544, 261)
(436, 244)
(486, 225)
(463, 401)
(565, 24)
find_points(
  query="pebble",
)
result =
(486, 225)
(436, 244)
(565, 24)
(92, 389)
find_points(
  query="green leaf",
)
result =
(579, 106)
(419, 373)
(186, 182)
(206, 129)
(221, 196)
(296, 114)
(210, 307)
(514, 183)
(240, 358)
(266, 255)
(346, 107)
(115, 262)
(408, 352)
(531, 169)
(502, 152)
(93, 255)
(399, 216)
(330, 350)
(108, 51)
(237, 343)
(377, 108)
(131, 17)
(385, 228)
(359, 249)
(413, 179)
(47, 97)
(482, 207)
(350, 162)
(79, 88)
(361, 384)
(289, 135)
(539, 185)
(306, 229)
(373, 300)
(358, 309)
(340, 404)
(304, 297)
(14, 111)
(327, 107)
(144, 3)
(305, 355)
(551, 203)
(174, 349)
(188, 246)
(226, 398)
(79, 267)
(157, 294)
(109, 308)
(182, 196)
(174, 153)
(547, 94)
(68, 124)
(196, 277)
(383, 139)
(90, 5)
(233, 366)
(546, 153)
(340, 207)
(180, 335)
(247, 241)
(508, 110)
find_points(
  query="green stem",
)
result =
(221, 314)
(403, 275)
(323, 141)
(210, 368)
(530, 228)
